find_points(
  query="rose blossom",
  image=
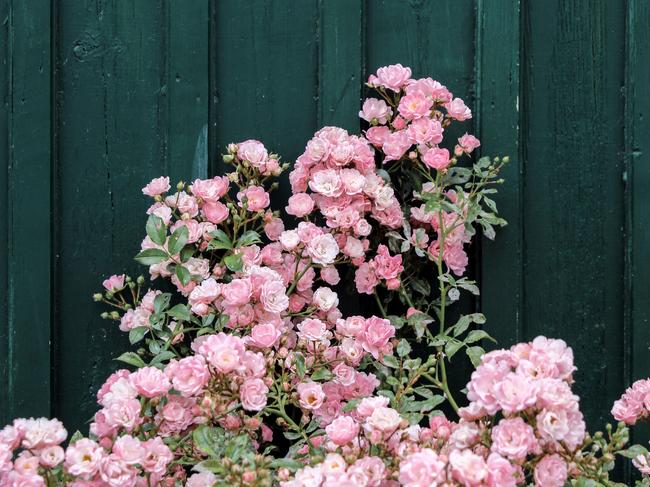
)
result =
(83, 458)
(150, 382)
(252, 394)
(273, 297)
(310, 395)
(457, 110)
(238, 292)
(323, 249)
(437, 158)
(256, 198)
(300, 204)
(342, 430)
(376, 335)
(513, 438)
(375, 110)
(188, 375)
(393, 77)
(422, 469)
(551, 471)
(325, 299)
(157, 186)
(264, 335)
(114, 283)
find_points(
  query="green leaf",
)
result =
(321, 374)
(475, 354)
(633, 451)
(131, 358)
(180, 312)
(151, 256)
(178, 240)
(76, 437)
(287, 463)
(403, 348)
(162, 357)
(156, 230)
(248, 238)
(452, 347)
(208, 440)
(218, 245)
(421, 286)
(183, 275)
(234, 262)
(136, 334)
(187, 253)
(390, 361)
(477, 335)
(299, 360)
(351, 405)
(161, 302)
(221, 236)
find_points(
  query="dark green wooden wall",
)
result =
(99, 96)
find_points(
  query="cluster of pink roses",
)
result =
(634, 404)
(253, 343)
(522, 422)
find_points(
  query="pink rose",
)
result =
(289, 239)
(515, 393)
(49, 457)
(422, 469)
(384, 420)
(415, 105)
(150, 382)
(457, 110)
(323, 249)
(326, 182)
(156, 187)
(188, 375)
(224, 352)
(437, 158)
(311, 395)
(377, 135)
(210, 189)
(342, 430)
(129, 450)
(466, 144)
(375, 111)
(395, 145)
(393, 77)
(254, 197)
(513, 438)
(313, 330)
(83, 458)
(424, 130)
(254, 152)
(264, 335)
(325, 299)
(330, 275)
(253, 394)
(365, 279)
(300, 204)
(114, 283)
(157, 456)
(273, 297)
(238, 292)
(215, 212)
(467, 467)
(376, 335)
(273, 228)
(502, 473)
(551, 471)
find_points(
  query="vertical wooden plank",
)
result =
(573, 264)
(498, 51)
(26, 139)
(132, 105)
(637, 195)
(5, 54)
(265, 77)
(341, 76)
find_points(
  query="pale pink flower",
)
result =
(215, 212)
(50, 456)
(551, 471)
(395, 145)
(376, 335)
(237, 292)
(210, 189)
(311, 395)
(425, 130)
(264, 335)
(224, 352)
(188, 375)
(457, 110)
(325, 299)
(437, 158)
(252, 394)
(114, 283)
(300, 204)
(422, 469)
(377, 135)
(393, 77)
(375, 111)
(323, 249)
(326, 182)
(150, 382)
(342, 430)
(157, 186)
(273, 297)
(414, 106)
(129, 449)
(513, 438)
(383, 419)
(466, 144)
(255, 198)
(202, 479)
(252, 151)
(157, 456)
(83, 458)
(467, 467)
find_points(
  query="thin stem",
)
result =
(298, 277)
(381, 306)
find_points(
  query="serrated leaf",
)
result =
(136, 334)
(633, 451)
(183, 275)
(475, 354)
(390, 361)
(321, 374)
(234, 262)
(208, 440)
(161, 302)
(131, 358)
(403, 348)
(151, 256)
(287, 463)
(177, 240)
(180, 312)
(452, 346)
(248, 238)
(156, 230)
(299, 361)
(477, 335)
(161, 357)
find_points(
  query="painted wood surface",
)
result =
(100, 96)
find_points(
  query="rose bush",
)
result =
(248, 373)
